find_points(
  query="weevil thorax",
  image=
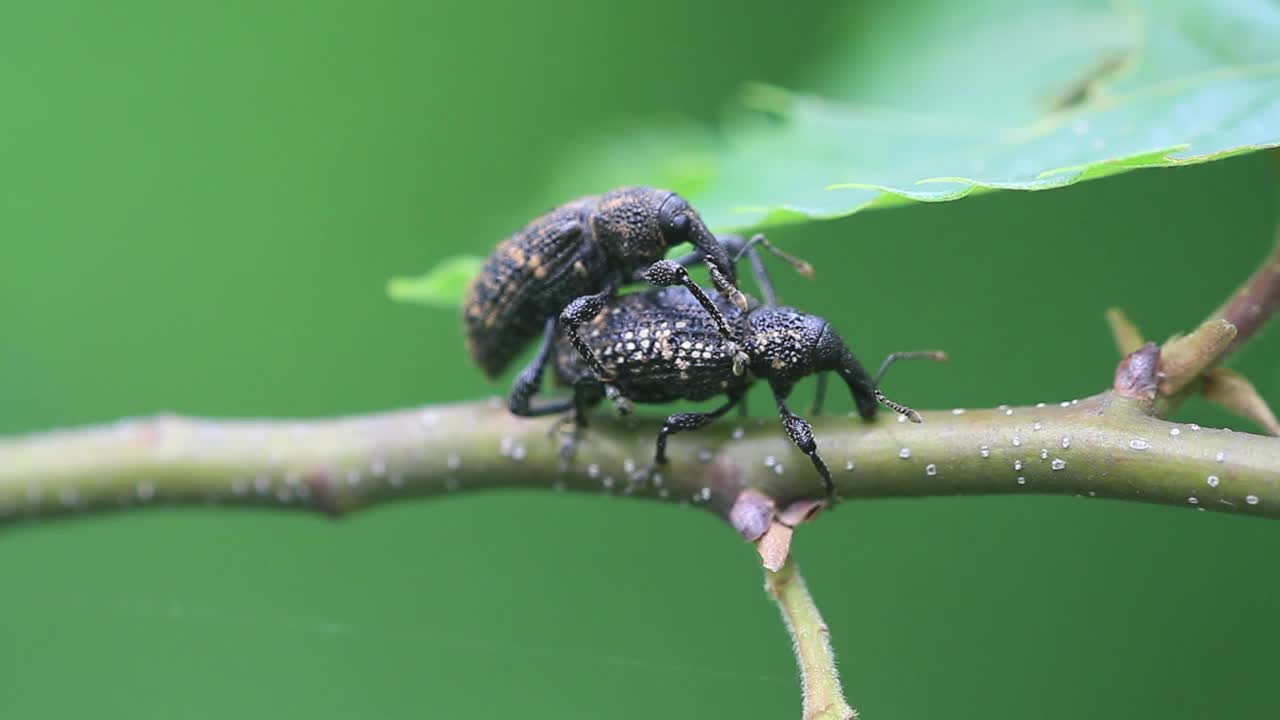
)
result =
(626, 225)
(782, 343)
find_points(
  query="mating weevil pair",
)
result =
(665, 344)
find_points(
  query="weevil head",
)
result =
(638, 225)
(832, 354)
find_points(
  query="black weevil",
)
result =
(562, 268)
(657, 348)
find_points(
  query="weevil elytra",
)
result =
(559, 270)
(659, 349)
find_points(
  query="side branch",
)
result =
(1103, 446)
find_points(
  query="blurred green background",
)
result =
(200, 204)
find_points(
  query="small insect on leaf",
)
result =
(442, 286)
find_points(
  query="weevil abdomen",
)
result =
(531, 276)
(658, 347)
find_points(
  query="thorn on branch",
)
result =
(1186, 358)
(1233, 391)
(1126, 335)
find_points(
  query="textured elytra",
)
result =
(658, 348)
(577, 249)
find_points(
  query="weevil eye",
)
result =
(680, 224)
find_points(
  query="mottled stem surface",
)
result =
(1103, 446)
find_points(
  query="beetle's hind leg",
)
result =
(529, 382)
(678, 423)
(586, 393)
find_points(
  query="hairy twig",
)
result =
(823, 698)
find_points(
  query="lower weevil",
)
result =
(657, 349)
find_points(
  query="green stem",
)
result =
(823, 698)
(1103, 446)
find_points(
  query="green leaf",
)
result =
(443, 286)
(934, 101)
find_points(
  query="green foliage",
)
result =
(442, 286)
(936, 101)
(933, 101)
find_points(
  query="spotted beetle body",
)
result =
(593, 245)
(658, 351)
(658, 346)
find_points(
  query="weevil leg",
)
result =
(736, 247)
(683, 422)
(529, 382)
(586, 393)
(801, 433)
(819, 395)
(762, 274)
(666, 273)
(579, 312)
(935, 355)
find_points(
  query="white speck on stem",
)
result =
(1058, 464)
(1139, 444)
(777, 468)
(930, 469)
(1017, 441)
(848, 465)
(1044, 454)
(1022, 480)
(453, 462)
(1175, 432)
(770, 461)
(593, 471)
(518, 453)
(1008, 411)
(1017, 464)
(1220, 457)
(1193, 500)
(984, 451)
(1036, 426)
(378, 468)
(1251, 499)
(147, 490)
(1213, 481)
(957, 411)
(1066, 442)
(905, 453)
(739, 433)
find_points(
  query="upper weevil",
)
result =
(561, 269)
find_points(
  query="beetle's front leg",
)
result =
(579, 312)
(801, 433)
(666, 273)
